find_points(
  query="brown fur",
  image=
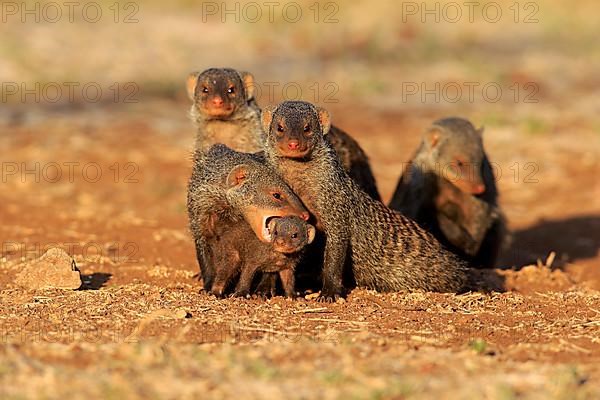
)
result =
(239, 252)
(450, 189)
(228, 188)
(235, 122)
(383, 249)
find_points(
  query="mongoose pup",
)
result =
(228, 187)
(247, 255)
(225, 111)
(383, 249)
(449, 188)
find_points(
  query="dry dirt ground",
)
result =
(141, 328)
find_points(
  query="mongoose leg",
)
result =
(245, 283)
(267, 285)
(289, 282)
(207, 270)
(335, 257)
(228, 265)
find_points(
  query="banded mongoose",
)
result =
(225, 111)
(241, 253)
(383, 249)
(449, 188)
(229, 187)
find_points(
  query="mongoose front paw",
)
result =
(330, 295)
(328, 299)
(260, 294)
(241, 293)
(293, 295)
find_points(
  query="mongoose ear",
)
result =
(324, 119)
(248, 81)
(237, 176)
(432, 137)
(267, 117)
(191, 82)
(480, 131)
(311, 233)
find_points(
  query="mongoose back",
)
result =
(449, 188)
(384, 250)
(228, 187)
(225, 111)
(239, 252)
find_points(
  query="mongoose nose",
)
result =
(217, 101)
(305, 216)
(478, 189)
(293, 144)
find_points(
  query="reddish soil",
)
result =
(141, 304)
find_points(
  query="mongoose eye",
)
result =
(276, 195)
(231, 90)
(306, 128)
(294, 235)
(459, 163)
(279, 128)
(204, 89)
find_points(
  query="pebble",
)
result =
(54, 269)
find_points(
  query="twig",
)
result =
(313, 310)
(337, 320)
(258, 329)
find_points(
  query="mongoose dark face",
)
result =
(261, 196)
(294, 127)
(457, 146)
(218, 92)
(290, 234)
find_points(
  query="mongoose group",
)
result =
(282, 194)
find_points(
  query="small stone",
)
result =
(180, 313)
(55, 269)
(311, 296)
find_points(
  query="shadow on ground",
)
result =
(572, 239)
(95, 281)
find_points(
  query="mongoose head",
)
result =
(261, 195)
(457, 146)
(218, 92)
(290, 234)
(293, 128)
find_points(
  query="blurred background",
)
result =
(103, 82)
